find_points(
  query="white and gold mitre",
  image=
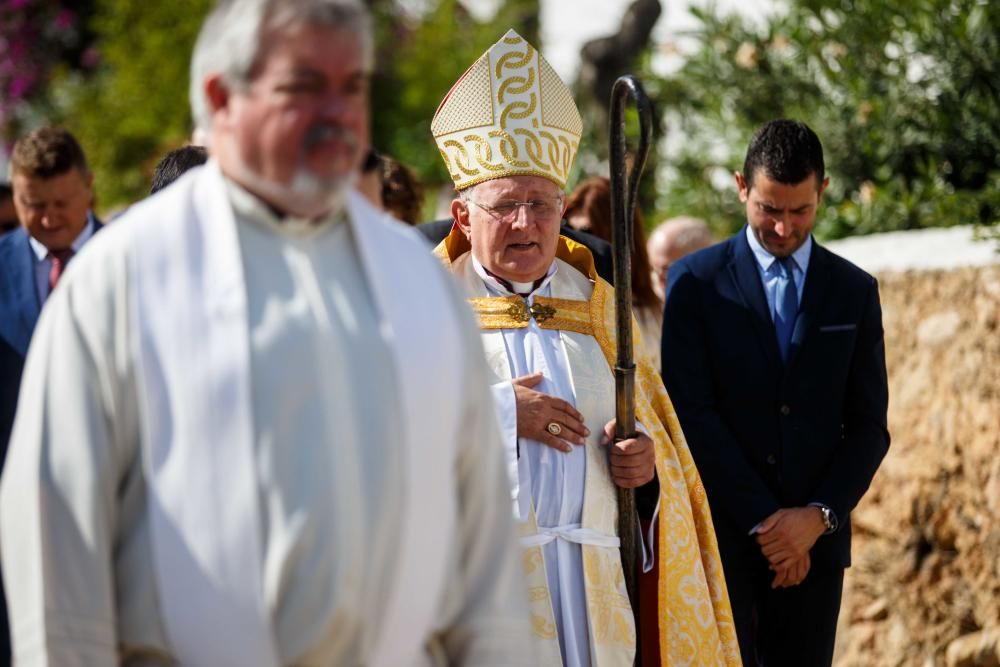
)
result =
(509, 115)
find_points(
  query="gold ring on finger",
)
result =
(554, 428)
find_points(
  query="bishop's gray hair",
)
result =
(231, 37)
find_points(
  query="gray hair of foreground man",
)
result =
(233, 34)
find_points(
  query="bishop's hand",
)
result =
(633, 460)
(547, 419)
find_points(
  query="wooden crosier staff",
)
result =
(624, 188)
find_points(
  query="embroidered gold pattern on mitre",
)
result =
(509, 115)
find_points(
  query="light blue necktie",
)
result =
(786, 305)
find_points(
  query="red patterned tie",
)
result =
(60, 258)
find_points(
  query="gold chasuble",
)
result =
(695, 619)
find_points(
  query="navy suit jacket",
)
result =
(19, 310)
(767, 434)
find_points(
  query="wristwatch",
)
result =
(829, 518)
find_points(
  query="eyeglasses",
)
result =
(506, 209)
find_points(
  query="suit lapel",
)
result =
(25, 305)
(743, 269)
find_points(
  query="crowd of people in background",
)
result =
(250, 420)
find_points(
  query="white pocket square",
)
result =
(838, 327)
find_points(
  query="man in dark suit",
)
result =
(436, 231)
(773, 354)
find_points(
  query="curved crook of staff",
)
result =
(624, 191)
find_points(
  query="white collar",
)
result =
(521, 288)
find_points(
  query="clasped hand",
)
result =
(632, 461)
(785, 539)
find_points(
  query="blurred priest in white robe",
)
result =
(255, 426)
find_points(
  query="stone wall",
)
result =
(924, 590)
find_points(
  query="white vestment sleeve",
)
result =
(69, 448)
(485, 612)
(646, 542)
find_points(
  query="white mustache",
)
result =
(320, 133)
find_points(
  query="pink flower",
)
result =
(64, 19)
(90, 58)
(16, 49)
(20, 86)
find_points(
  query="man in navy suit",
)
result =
(774, 356)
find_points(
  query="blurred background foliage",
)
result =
(905, 95)
(134, 108)
(126, 100)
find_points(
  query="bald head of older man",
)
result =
(671, 240)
